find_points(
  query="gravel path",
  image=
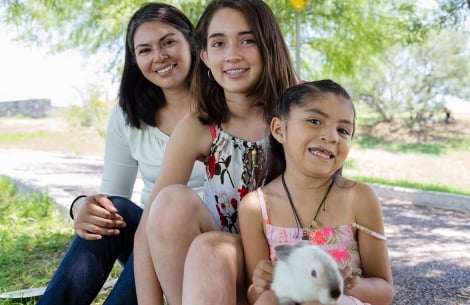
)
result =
(430, 254)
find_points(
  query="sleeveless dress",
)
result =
(234, 167)
(338, 241)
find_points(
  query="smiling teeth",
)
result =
(322, 154)
(165, 69)
(234, 72)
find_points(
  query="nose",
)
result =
(159, 56)
(232, 53)
(329, 135)
(335, 293)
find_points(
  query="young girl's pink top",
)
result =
(338, 241)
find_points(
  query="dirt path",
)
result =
(54, 134)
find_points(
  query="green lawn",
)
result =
(33, 238)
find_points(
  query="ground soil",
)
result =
(55, 134)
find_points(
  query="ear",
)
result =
(278, 129)
(283, 251)
(204, 58)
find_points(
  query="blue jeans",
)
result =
(87, 264)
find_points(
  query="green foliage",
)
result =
(342, 35)
(32, 236)
(18, 137)
(413, 185)
(33, 239)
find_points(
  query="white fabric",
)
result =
(128, 150)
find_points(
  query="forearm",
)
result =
(375, 291)
(147, 286)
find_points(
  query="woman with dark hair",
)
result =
(154, 96)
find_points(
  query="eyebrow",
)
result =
(214, 35)
(161, 39)
(317, 111)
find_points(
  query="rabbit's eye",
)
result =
(313, 273)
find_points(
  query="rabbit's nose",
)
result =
(335, 293)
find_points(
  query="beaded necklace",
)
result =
(313, 224)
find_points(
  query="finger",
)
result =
(88, 236)
(95, 209)
(346, 272)
(105, 203)
(96, 230)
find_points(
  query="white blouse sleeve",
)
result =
(120, 168)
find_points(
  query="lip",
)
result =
(321, 152)
(235, 72)
(165, 69)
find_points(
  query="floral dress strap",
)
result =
(212, 131)
(369, 231)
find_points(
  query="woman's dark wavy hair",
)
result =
(139, 98)
(278, 73)
(296, 96)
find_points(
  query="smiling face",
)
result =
(163, 54)
(316, 135)
(232, 52)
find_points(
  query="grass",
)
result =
(413, 185)
(33, 239)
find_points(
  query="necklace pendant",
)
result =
(313, 225)
(305, 235)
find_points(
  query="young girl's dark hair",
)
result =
(296, 96)
(278, 73)
(139, 98)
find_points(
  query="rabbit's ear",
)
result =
(283, 251)
(302, 243)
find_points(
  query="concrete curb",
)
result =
(426, 198)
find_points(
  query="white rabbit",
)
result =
(305, 272)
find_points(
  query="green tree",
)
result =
(337, 36)
(409, 82)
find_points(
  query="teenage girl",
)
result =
(306, 198)
(244, 65)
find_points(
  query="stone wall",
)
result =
(36, 108)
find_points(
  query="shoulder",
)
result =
(192, 133)
(250, 202)
(365, 205)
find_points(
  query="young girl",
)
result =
(306, 198)
(244, 65)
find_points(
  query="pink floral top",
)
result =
(338, 241)
(234, 167)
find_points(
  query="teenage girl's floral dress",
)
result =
(234, 167)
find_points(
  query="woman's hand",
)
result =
(263, 276)
(95, 216)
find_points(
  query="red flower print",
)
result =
(234, 203)
(211, 166)
(318, 238)
(340, 255)
(327, 232)
(243, 191)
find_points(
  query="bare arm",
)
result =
(376, 285)
(189, 142)
(259, 269)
